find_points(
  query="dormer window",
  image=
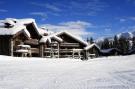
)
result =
(8, 25)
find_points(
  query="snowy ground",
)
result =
(37, 73)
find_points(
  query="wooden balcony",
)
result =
(66, 50)
(48, 50)
(34, 50)
(69, 45)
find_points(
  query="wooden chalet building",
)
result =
(92, 50)
(14, 32)
(22, 36)
(62, 44)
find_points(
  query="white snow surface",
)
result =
(40, 73)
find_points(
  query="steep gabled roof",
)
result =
(72, 36)
(91, 45)
(17, 25)
(31, 22)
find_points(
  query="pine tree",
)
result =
(115, 43)
(133, 45)
(105, 44)
(88, 40)
(91, 40)
(123, 45)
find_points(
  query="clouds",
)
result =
(131, 1)
(91, 7)
(132, 18)
(53, 8)
(77, 28)
(126, 19)
(122, 20)
(47, 6)
(40, 14)
(3, 10)
(76, 7)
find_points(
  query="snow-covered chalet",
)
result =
(22, 37)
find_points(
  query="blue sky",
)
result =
(96, 18)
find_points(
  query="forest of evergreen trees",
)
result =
(126, 46)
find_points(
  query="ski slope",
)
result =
(41, 73)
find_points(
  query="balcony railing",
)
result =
(69, 44)
(66, 50)
(48, 50)
(34, 50)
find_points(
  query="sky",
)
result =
(86, 18)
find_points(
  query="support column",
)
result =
(79, 54)
(58, 50)
(41, 52)
(73, 54)
(86, 55)
(11, 47)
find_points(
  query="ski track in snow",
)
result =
(37, 73)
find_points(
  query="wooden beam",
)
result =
(41, 50)
(11, 47)
(58, 50)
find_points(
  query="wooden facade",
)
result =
(92, 50)
(5, 45)
(34, 41)
(69, 47)
(69, 43)
(27, 35)
(62, 45)
(8, 43)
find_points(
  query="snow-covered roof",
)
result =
(44, 39)
(90, 46)
(12, 30)
(29, 21)
(26, 20)
(108, 50)
(16, 27)
(42, 31)
(75, 37)
(26, 31)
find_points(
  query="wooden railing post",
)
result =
(58, 50)
(41, 50)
